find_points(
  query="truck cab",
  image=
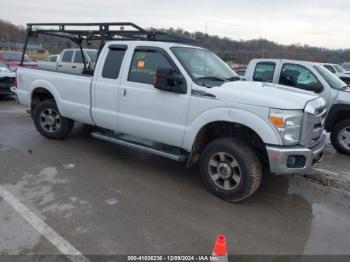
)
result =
(315, 78)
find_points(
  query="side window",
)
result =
(264, 72)
(113, 63)
(145, 64)
(330, 68)
(67, 56)
(78, 58)
(298, 76)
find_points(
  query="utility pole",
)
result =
(8, 41)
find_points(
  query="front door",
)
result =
(145, 111)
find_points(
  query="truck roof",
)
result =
(154, 43)
(257, 60)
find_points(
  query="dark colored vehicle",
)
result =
(13, 59)
(7, 79)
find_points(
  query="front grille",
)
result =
(314, 121)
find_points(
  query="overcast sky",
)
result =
(315, 22)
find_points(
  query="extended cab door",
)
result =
(106, 85)
(145, 111)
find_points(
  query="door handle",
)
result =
(59, 65)
(74, 66)
(124, 92)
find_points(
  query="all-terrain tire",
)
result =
(336, 138)
(61, 126)
(249, 166)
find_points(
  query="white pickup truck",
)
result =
(184, 103)
(313, 77)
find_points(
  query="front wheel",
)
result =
(230, 169)
(340, 137)
(49, 122)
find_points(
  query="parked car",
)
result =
(239, 68)
(13, 60)
(312, 77)
(50, 63)
(7, 79)
(71, 60)
(164, 98)
(346, 66)
(339, 71)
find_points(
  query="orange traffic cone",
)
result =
(220, 249)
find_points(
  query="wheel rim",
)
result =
(224, 171)
(50, 120)
(344, 137)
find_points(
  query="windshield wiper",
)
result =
(212, 78)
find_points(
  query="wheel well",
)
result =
(337, 117)
(220, 129)
(40, 94)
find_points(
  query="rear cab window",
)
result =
(113, 61)
(264, 72)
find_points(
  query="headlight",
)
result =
(288, 123)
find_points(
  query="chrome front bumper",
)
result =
(292, 160)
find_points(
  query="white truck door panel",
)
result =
(105, 87)
(145, 111)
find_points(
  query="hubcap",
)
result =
(344, 137)
(224, 171)
(50, 120)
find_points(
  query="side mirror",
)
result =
(169, 80)
(315, 88)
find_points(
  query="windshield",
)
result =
(330, 78)
(339, 69)
(10, 56)
(202, 64)
(92, 55)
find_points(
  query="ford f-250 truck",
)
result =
(183, 102)
(313, 77)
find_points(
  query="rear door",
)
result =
(65, 63)
(106, 85)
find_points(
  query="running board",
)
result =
(163, 152)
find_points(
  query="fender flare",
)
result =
(266, 131)
(40, 83)
(334, 115)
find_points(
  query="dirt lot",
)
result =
(84, 196)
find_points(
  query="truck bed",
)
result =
(71, 92)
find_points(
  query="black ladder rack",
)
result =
(79, 32)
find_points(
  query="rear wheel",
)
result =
(340, 137)
(230, 169)
(49, 122)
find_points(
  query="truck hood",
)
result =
(263, 94)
